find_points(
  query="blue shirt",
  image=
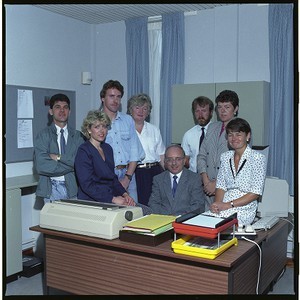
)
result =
(123, 139)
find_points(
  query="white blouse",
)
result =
(248, 178)
(152, 143)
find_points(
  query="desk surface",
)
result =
(226, 260)
(21, 181)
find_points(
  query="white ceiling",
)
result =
(108, 13)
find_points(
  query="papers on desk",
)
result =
(204, 243)
(151, 224)
(205, 221)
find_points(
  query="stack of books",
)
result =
(149, 230)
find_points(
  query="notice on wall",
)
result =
(25, 104)
(25, 136)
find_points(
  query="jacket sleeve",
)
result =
(156, 197)
(197, 197)
(44, 164)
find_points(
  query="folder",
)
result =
(150, 223)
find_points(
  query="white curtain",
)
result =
(154, 41)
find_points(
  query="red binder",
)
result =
(195, 230)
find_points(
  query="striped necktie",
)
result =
(174, 185)
(62, 142)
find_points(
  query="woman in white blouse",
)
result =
(241, 177)
(139, 107)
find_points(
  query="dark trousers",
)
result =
(144, 177)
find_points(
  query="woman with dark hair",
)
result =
(241, 177)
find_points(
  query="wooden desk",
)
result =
(91, 266)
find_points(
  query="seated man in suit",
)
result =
(177, 190)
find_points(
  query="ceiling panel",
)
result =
(108, 13)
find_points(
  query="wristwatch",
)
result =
(128, 176)
(58, 157)
(232, 205)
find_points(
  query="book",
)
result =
(153, 232)
(152, 223)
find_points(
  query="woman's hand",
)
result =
(216, 207)
(119, 200)
(129, 201)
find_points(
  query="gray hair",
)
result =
(138, 100)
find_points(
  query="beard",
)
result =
(202, 122)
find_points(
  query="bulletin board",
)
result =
(27, 113)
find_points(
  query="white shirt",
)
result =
(152, 143)
(60, 178)
(190, 144)
(177, 179)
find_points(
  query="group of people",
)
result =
(121, 158)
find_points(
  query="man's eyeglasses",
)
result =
(170, 160)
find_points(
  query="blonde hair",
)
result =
(92, 117)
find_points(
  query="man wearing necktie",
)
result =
(177, 190)
(55, 148)
(202, 108)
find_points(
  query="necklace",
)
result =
(238, 171)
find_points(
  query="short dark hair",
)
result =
(228, 96)
(202, 101)
(58, 97)
(237, 125)
(111, 84)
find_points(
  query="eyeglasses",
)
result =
(170, 160)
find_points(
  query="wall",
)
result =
(225, 45)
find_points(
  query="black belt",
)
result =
(148, 165)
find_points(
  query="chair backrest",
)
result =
(264, 150)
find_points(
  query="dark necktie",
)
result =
(174, 185)
(62, 142)
(202, 136)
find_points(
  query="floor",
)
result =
(33, 285)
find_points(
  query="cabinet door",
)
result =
(182, 98)
(13, 232)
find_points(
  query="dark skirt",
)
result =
(144, 178)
